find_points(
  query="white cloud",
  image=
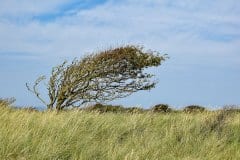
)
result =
(190, 29)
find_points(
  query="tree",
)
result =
(98, 77)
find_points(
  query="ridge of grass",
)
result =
(77, 134)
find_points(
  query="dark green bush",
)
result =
(112, 108)
(104, 108)
(161, 108)
(193, 109)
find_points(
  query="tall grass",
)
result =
(85, 135)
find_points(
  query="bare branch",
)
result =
(34, 89)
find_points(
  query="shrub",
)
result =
(193, 108)
(104, 108)
(161, 108)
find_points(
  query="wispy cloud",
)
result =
(206, 29)
(128, 21)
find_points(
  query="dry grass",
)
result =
(83, 135)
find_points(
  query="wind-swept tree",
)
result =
(99, 77)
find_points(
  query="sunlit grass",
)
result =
(86, 135)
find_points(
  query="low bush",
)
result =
(193, 108)
(112, 108)
(161, 108)
(104, 108)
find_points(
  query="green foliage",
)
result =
(100, 108)
(100, 77)
(161, 108)
(193, 109)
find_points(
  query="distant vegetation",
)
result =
(194, 108)
(114, 132)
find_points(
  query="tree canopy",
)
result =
(99, 77)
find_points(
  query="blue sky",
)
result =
(202, 38)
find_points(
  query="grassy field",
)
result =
(84, 135)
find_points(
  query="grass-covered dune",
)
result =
(131, 136)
